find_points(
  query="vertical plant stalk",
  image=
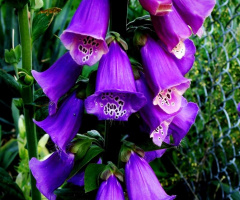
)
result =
(113, 130)
(27, 93)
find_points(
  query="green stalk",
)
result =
(114, 130)
(27, 93)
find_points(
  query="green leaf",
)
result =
(91, 176)
(17, 3)
(8, 152)
(93, 152)
(95, 134)
(14, 55)
(8, 187)
(25, 79)
(15, 114)
(42, 21)
(83, 147)
(10, 81)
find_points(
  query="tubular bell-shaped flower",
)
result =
(157, 7)
(59, 78)
(52, 172)
(163, 77)
(142, 182)
(64, 125)
(115, 96)
(187, 16)
(110, 189)
(186, 62)
(182, 122)
(157, 120)
(85, 35)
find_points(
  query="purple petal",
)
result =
(238, 109)
(152, 155)
(141, 181)
(85, 35)
(64, 125)
(110, 189)
(171, 29)
(163, 77)
(194, 12)
(182, 122)
(157, 7)
(77, 179)
(186, 62)
(52, 172)
(59, 78)
(115, 96)
(154, 116)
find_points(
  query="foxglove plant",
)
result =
(116, 95)
(85, 35)
(163, 77)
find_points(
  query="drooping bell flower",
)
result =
(52, 172)
(58, 79)
(64, 125)
(115, 96)
(85, 35)
(157, 120)
(142, 182)
(110, 189)
(182, 122)
(194, 12)
(163, 77)
(186, 62)
(187, 16)
(157, 7)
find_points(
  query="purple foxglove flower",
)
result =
(157, 120)
(58, 79)
(194, 12)
(163, 77)
(64, 125)
(142, 182)
(186, 62)
(85, 35)
(115, 96)
(110, 189)
(182, 122)
(157, 7)
(187, 17)
(52, 172)
(172, 31)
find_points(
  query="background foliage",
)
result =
(205, 166)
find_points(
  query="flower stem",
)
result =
(114, 130)
(27, 93)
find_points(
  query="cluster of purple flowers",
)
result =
(157, 94)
